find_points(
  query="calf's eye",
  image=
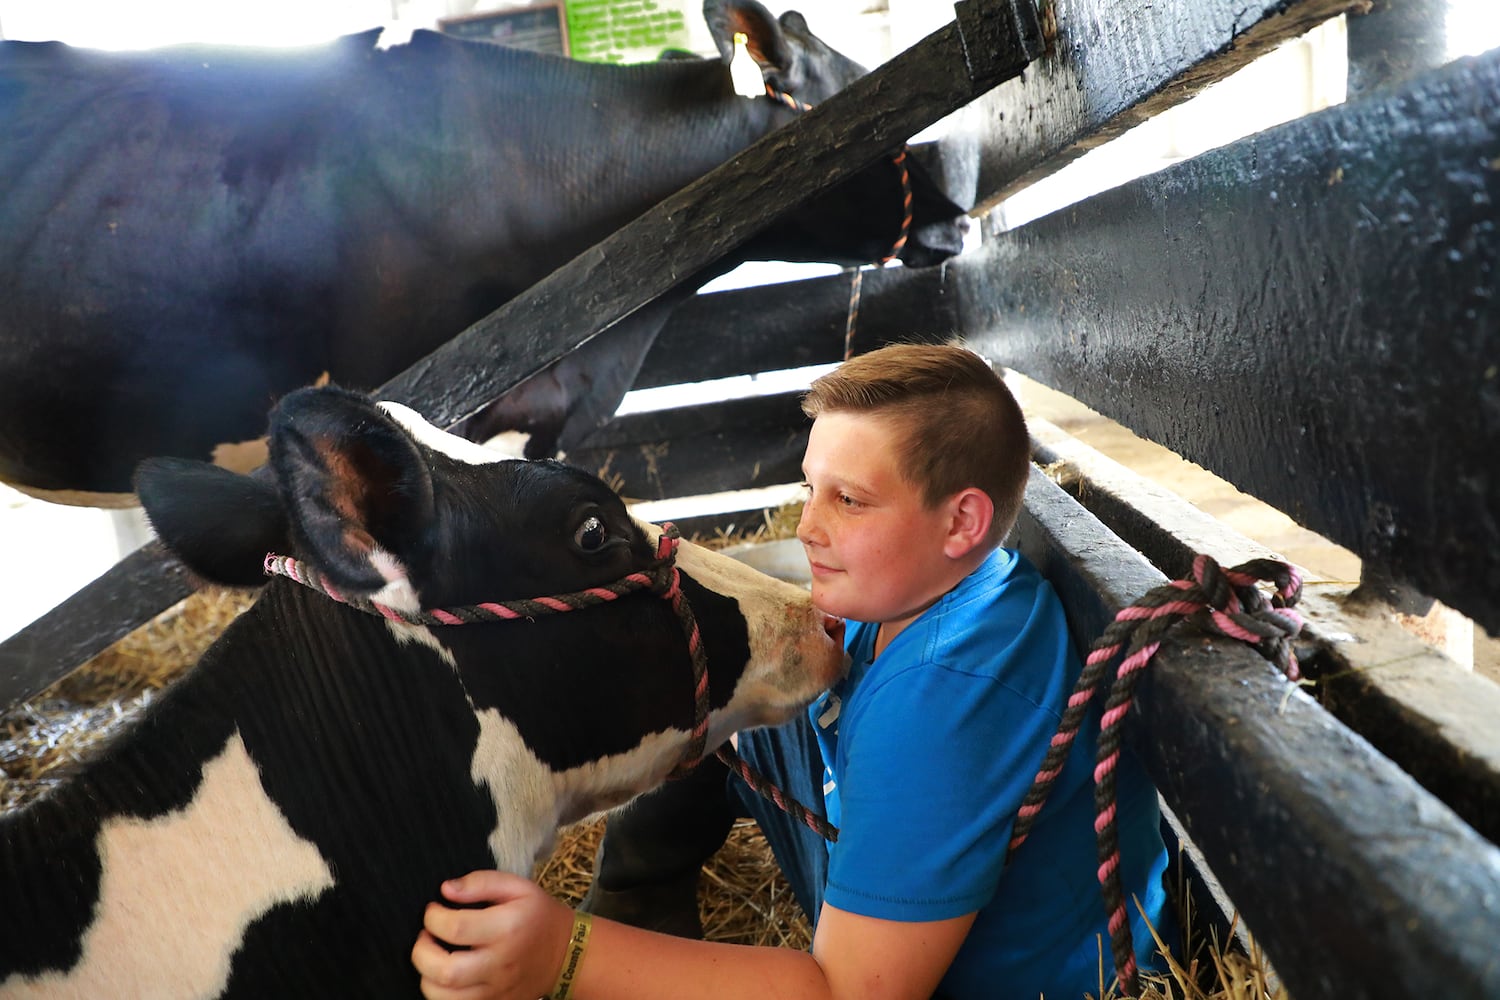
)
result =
(591, 534)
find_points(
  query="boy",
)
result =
(961, 666)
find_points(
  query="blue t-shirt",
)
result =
(930, 749)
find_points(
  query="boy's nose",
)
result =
(806, 524)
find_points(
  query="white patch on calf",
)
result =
(614, 780)
(440, 440)
(521, 786)
(422, 636)
(177, 892)
(532, 800)
(511, 444)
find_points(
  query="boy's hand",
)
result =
(510, 947)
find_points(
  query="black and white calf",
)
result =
(277, 822)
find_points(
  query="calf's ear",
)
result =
(356, 489)
(764, 40)
(219, 523)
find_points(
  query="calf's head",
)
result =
(599, 702)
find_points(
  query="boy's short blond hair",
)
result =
(961, 425)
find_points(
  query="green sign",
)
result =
(623, 31)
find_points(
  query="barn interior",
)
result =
(64, 548)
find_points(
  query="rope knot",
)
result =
(666, 580)
(1237, 609)
(1225, 602)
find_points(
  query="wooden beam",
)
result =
(1356, 881)
(1309, 312)
(1431, 717)
(1112, 64)
(691, 450)
(799, 323)
(1395, 40)
(716, 213)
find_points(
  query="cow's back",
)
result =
(167, 247)
(187, 234)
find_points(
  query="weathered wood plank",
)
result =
(690, 450)
(799, 323)
(1309, 312)
(1432, 718)
(1112, 64)
(679, 237)
(1357, 882)
(133, 591)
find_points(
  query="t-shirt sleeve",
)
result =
(937, 761)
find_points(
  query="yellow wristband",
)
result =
(582, 922)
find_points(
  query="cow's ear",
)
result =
(355, 486)
(764, 39)
(219, 523)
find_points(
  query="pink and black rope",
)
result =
(1225, 602)
(781, 799)
(662, 579)
(489, 611)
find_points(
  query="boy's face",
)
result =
(877, 552)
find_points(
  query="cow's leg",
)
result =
(646, 871)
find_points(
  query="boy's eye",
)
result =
(847, 500)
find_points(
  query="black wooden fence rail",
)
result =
(1114, 64)
(1434, 719)
(1357, 881)
(990, 41)
(1310, 312)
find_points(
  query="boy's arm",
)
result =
(517, 944)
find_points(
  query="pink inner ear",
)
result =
(751, 40)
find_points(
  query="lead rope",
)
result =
(662, 579)
(1223, 602)
(1219, 601)
(852, 314)
(786, 803)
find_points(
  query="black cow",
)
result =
(275, 824)
(187, 234)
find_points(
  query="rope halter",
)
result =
(661, 578)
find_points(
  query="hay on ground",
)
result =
(43, 738)
(742, 896)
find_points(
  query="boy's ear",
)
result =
(354, 485)
(219, 523)
(972, 513)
